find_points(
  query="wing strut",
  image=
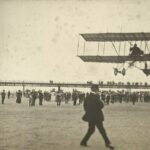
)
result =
(104, 48)
(78, 45)
(146, 44)
(98, 49)
(119, 47)
(124, 48)
(115, 48)
(141, 45)
(84, 49)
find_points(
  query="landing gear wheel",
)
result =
(115, 71)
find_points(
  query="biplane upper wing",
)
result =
(108, 37)
(115, 59)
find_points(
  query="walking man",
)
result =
(94, 116)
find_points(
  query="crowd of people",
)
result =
(34, 95)
(122, 96)
(77, 97)
(58, 97)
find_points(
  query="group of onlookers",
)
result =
(122, 96)
(77, 97)
(3, 95)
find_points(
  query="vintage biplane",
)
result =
(132, 55)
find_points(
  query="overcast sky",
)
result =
(38, 38)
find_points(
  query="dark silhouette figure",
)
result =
(34, 96)
(3, 94)
(136, 51)
(41, 98)
(74, 97)
(58, 99)
(134, 98)
(108, 98)
(67, 97)
(94, 116)
(8, 94)
(19, 96)
(81, 98)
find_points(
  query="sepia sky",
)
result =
(38, 38)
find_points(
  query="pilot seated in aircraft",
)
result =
(136, 51)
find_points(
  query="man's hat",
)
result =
(95, 86)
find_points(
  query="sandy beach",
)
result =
(60, 128)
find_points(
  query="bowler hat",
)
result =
(94, 86)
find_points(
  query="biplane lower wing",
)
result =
(115, 59)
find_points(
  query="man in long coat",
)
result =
(94, 116)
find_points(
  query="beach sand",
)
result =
(49, 127)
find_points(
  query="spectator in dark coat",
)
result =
(34, 96)
(8, 94)
(3, 94)
(94, 116)
(58, 99)
(134, 98)
(74, 97)
(40, 98)
(19, 96)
